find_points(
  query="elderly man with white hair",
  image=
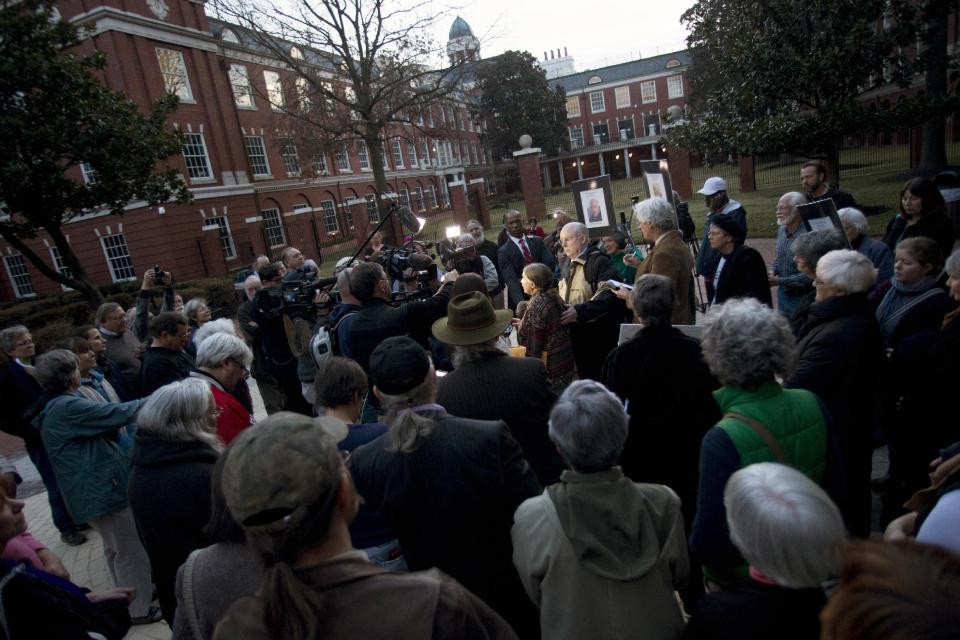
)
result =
(470, 260)
(793, 284)
(223, 362)
(856, 227)
(595, 313)
(669, 256)
(791, 535)
(596, 552)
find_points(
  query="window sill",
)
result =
(195, 181)
(246, 108)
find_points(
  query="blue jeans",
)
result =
(387, 556)
(58, 508)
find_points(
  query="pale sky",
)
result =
(597, 33)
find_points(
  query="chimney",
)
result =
(565, 54)
(544, 56)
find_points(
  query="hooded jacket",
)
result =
(601, 556)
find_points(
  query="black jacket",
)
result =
(490, 249)
(169, 495)
(451, 502)
(840, 198)
(511, 262)
(934, 225)
(840, 359)
(661, 375)
(744, 275)
(514, 390)
(597, 329)
(162, 366)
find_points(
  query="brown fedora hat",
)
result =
(471, 319)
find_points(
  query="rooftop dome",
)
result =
(460, 28)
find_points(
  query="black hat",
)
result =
(398, 364)
(729, 226)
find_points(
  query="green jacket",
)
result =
(80, 437)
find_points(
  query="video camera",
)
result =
(295, 295)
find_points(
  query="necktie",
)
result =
(527, 257)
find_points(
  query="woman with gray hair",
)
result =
(198, 314)
(223, 362)
(175, 449)
(80, 436)
(807, 251)
(856, 227)
(598, 553)
(792, 535)
(748, 346)
(840, 359)
(665, 414)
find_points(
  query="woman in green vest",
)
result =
(749, 347)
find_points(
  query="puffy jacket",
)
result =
(80, 437)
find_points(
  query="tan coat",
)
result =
(672, 258)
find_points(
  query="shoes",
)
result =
(153, 615)
(73, 538)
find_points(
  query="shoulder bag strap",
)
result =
(761, 431)
(188, 598)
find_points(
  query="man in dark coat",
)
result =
(489, 385)
(449, 486)
(491, 250)
(517, 252)
(813, 178)
(595, 313)
(840, 359)
(165, 361)
(741, 272)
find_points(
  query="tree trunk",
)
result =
(393, 231)
(933, 153)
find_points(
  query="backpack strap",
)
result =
(761, 431)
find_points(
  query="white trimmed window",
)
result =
(19, 276)
(675, 87)
(329, 216)
(242, 90)
(320, 164)
(419, 201)
(404, 197)
(576, 137)
(425, 147)
(363, 155)
(174, 73)
(195, 156)
(227, 245)
(443, 116)
(648, 92)
(118, 258)
(431, 197)
(573, 106)
(623, 96)
(257, 155)
(625, 129)
(288, 152)
(597, 103)
(456, 152)
(383, 156)
(372, 214)
(273, 228)
(412, 154)
(397, 153)
(89, 175)
(274, 89)
(59, 265)
(601, 134)
(430, 118)
(465, 153)
(473, 152)
(343, 161)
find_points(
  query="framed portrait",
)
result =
(594, 201)
(656, 179)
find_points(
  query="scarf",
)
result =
(900, 299)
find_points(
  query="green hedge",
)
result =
(52, 318)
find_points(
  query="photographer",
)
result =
(377, 320)
(466, 259)
(152, 278)
(274, 354)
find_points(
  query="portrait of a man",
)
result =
(594, 208)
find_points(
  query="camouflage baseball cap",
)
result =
(280, 469)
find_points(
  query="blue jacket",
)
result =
(80, 437)
(879, 254)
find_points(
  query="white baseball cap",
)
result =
(713, 185)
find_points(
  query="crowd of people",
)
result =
(490, 459)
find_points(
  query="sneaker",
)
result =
(153, 615)
(73, 538)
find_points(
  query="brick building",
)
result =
(614, 116)
(254, 191)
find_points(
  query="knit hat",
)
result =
(398, 364)
(282, 468)
(729, 226)
(471, 319)
(713, 185)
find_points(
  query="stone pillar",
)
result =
(603, 167)
(458, 202)
(530, 182)
(212, 253)
(256, 236)
(479, 188)
(563, 182)
(626, 162)
(748, 181)
(579, 169)
(680, 172)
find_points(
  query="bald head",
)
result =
(573, 239)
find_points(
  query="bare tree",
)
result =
(362, 71)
